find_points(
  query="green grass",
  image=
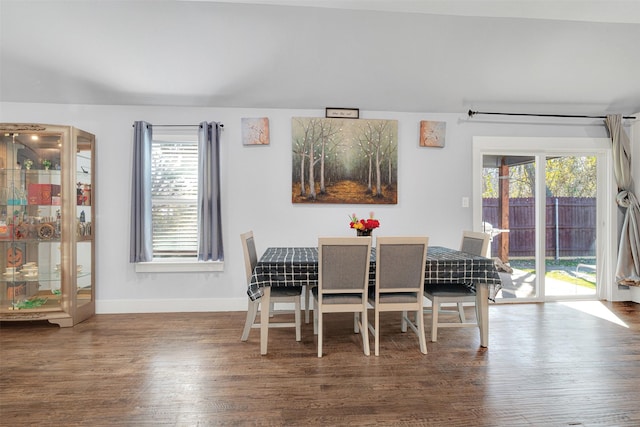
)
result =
(579, 281)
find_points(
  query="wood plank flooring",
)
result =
(547, 365)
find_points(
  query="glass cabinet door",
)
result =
(84, 218)
(30, 220)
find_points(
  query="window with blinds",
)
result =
(174, 193)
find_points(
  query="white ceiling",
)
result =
(573, 57)
(615, 11)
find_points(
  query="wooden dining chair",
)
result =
(278, 295)
(343, 281)
(400, 265)
(474, 243)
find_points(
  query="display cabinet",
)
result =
(47, 223)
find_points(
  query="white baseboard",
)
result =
(121, 306)
(170, 305)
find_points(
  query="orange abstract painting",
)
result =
(255, 131)
(432, 133)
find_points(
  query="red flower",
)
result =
(370, 224)
(363, 224)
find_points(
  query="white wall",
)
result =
(256, 192)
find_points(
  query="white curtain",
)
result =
(628, 268)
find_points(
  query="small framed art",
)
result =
(342, 113)
(432, 133)
(255, 131)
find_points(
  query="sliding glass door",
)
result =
(570, 226)
(509, 216)
(545, 208)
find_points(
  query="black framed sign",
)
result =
(342, 113)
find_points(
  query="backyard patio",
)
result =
(570, 278)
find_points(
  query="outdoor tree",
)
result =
(567, 176)
(571, 177)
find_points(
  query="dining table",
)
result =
(298, 266)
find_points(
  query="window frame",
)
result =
(158, 200)
(177, 264)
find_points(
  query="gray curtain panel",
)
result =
(629, 248)
(209, 218)
(141, 248)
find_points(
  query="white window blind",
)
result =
(174, 192)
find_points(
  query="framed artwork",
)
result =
(255, 131)
(432, 133)
(342, 113)
(344, 161)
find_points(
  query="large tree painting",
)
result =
(344, 161)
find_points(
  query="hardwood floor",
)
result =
(547, 365)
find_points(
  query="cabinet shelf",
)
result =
(40, 277)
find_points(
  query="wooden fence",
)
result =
(571, 226)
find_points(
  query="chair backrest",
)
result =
(250, 255)
(400, 264)
(475, 243)
(343, 264)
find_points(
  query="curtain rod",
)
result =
(182, 126)
(473, 113)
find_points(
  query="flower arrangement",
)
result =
(364, 224)
(46, 164)
(28, 163)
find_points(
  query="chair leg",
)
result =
(435, 308)
(421, 338)
(307, 301)
(356, 320)
(403, 323)
(463, 319)
(319, 332)
(252, 310)
(315, 321)
(417, 326)
(365, 331)
(376, 333)
(264, 320)
(298, 319)
(272, 308)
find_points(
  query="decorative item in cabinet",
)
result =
(6, 230)
(43, 194)
(83, 194)
(22, 231)
(84, 229)
(46, 259)
(15, 258)
(46, 231)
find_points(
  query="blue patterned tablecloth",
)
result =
(299, 266)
